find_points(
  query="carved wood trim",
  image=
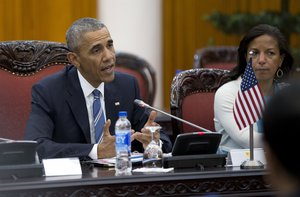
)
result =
(194, 81)
(236, 186)
(29, 56)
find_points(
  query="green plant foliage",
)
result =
(239, 23)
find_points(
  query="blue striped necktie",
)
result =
(98, 115)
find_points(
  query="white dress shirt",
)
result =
(88, 89)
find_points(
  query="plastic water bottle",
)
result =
(123, 164)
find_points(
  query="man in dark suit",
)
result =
(61, 120)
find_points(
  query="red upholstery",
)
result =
(142, 70)
(15, 101)
(22, 64)
(201, 106)
(192, 97)
(141, 81)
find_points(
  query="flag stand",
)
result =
(251, 164)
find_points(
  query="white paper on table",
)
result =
(237, 156)
(62, 166)
(153, 170)
(136, 157)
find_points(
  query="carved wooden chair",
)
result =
(192, 97)
(222, 57)
(142, 70)
(23, 63)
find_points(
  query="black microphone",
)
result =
(143, 104)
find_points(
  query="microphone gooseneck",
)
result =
(140, 103)
(143, 104)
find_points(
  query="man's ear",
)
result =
(73, 59)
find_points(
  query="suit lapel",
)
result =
(112, 104)
(76, 100)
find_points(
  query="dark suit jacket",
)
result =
(59, 118)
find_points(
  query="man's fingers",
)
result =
(145, 131)
(106, 127)
(132, 131)
(132, 135)
(152, 117)
(140, 137)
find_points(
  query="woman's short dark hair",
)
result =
(259, 30)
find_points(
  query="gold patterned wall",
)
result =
(41, 19)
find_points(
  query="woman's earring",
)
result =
(279, 73)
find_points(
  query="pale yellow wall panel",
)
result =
(11, 12)
(41, 19)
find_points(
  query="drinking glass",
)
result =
(153, 154)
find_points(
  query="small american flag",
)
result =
(249, 104)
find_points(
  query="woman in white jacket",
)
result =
(271, 62)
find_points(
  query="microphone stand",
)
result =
(184, 121)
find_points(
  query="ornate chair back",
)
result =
(142, 70)
(222, 57)
(23, 63)
(192, 97)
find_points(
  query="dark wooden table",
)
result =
(97, 181)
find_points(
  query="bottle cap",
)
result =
(122, 113)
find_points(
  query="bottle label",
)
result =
(123, 141)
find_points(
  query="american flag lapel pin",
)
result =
(117, 103)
